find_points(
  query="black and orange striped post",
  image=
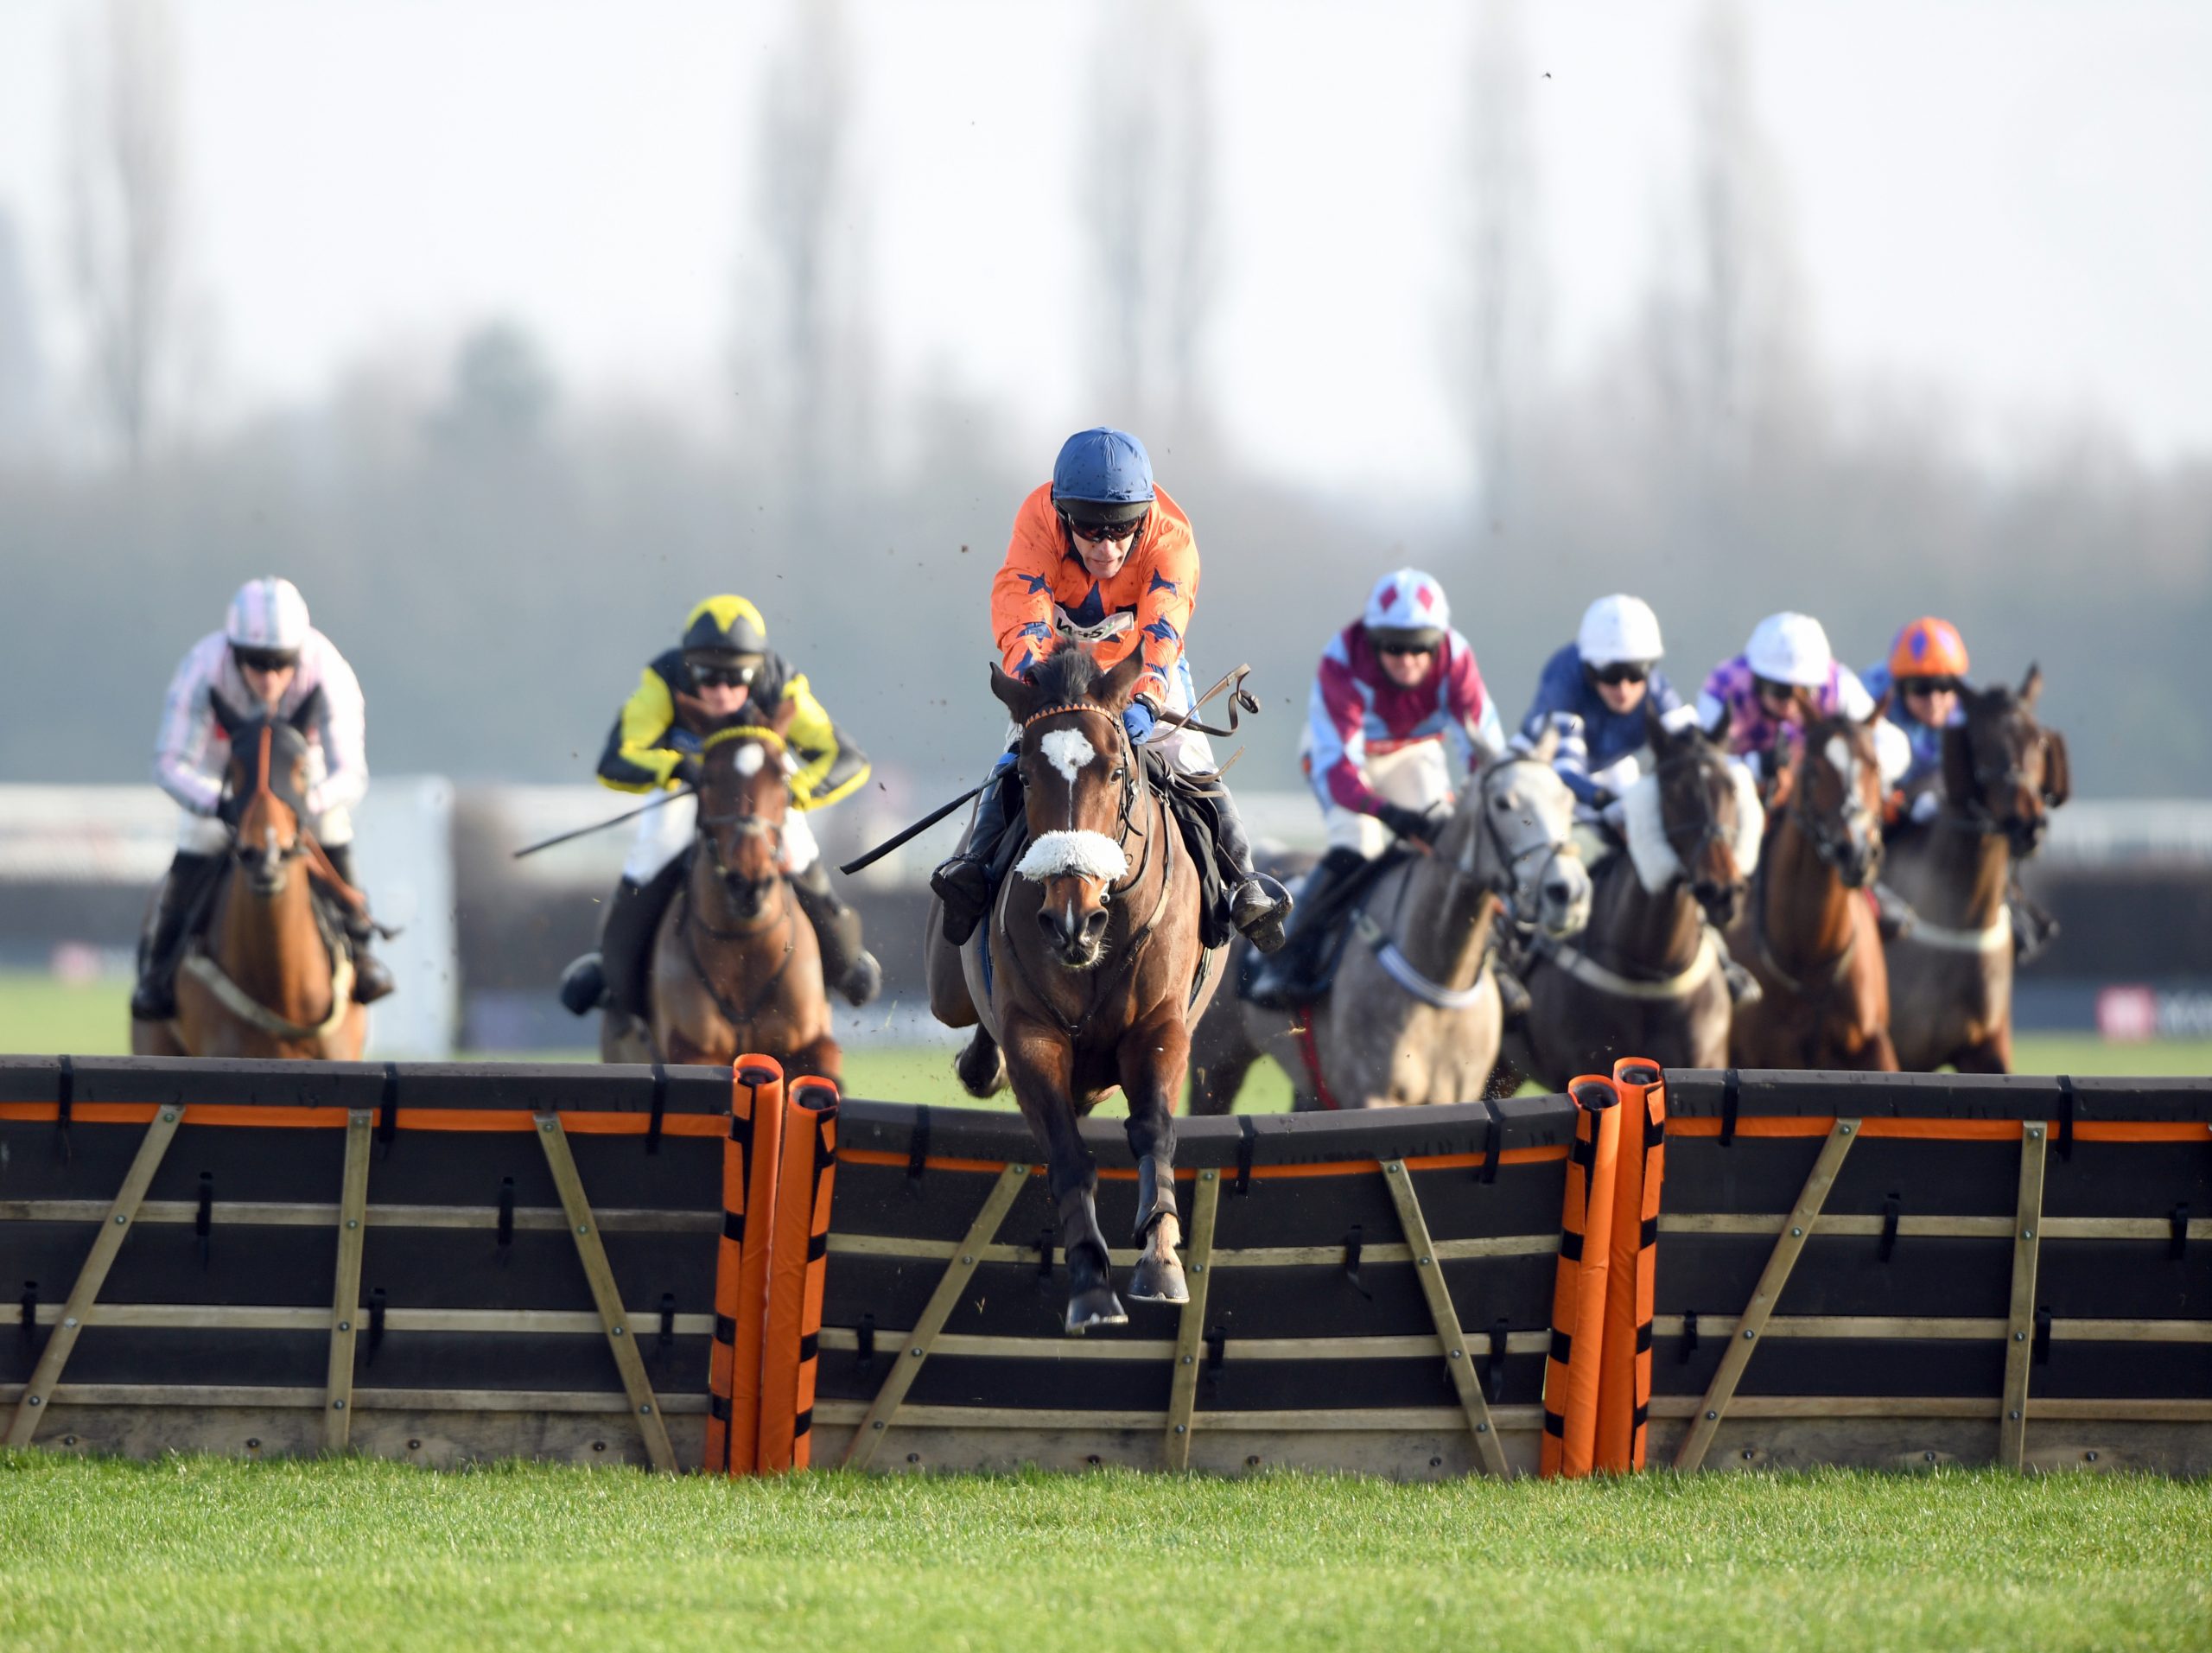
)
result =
(1624, 1362)
(749, 1170)
(1573, 1375)
(799, 1268)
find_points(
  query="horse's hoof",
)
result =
(1158, 1280)
(1097, 1307)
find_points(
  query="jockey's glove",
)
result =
(1925, 807)
(1410, 823)
(1137, 718)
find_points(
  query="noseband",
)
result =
(1505, 882)
(1709, 827)
(1136, 792)
(747, 824)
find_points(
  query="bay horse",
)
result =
(735, 967)
(1951, 972)
(269, 976)
(1413, 1014)
(1807, 931)
(1086, 974)
(1644, 977)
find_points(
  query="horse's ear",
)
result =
(225, 720)
(1719, 733)
(1545, 747)
(1119, 686)
(2030, 686)
(1655, 728)
(787, 711)
(307, 712)
(2057, 773)
(1881, 707)
(1014, 694)
(1958, 765)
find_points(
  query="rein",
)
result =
(685, 921)
(1832, 973)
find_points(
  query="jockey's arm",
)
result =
(1336, 739)
(342, 723)
(635, 760)
(1163, 613)
(188, 728)
(830, 768)
(1553, 707)
(1022, 594)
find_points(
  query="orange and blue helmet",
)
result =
(1929, 648)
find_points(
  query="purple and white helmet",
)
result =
(1407, 606)
(267, 617)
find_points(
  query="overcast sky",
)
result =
(2008, 200)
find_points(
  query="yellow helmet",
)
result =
(725, 625)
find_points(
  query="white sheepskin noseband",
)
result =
(1657, 865)
(1073, 855)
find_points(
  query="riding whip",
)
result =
(627, 814)
(913, 831)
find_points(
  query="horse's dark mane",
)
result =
(1065, 676)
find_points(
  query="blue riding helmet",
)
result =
(1103, 467)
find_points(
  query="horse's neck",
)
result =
(1442, 921)
(273, 947)
(1629, 925)
(1967, 872)
(1805, 908)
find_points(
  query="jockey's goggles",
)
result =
(720, 675)
(1927, 685)
(266, 659)
(1096, 531)
(1405, 648)
(1768, 689)
(1620, 671)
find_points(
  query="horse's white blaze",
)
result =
(1750, 817)
(1656, 864)
(1067, 750)
(1077, 854)
(749, 759)
(1840, 759)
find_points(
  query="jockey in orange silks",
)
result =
(1101, 556)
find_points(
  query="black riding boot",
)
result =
(614, 976)
(847, 966)
(1257, 905)
(963, 882)
(154, 997)
(372, 981)
(1286, 979)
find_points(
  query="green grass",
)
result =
(205, 1552)
(42, 1015)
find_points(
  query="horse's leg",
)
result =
(1041, 1067)
(1221, 1055)
(1505, 1080)
(823, 1057)
(980, 1070)
(1152, 1060)
(1990, 1055)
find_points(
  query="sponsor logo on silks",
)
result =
(1160, 632)
(1098, 631)
(1038, 585)
(1035, 628)
(1160, 583)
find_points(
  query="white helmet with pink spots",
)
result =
(1407, 606)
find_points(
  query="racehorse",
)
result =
(1807, 931)
(1413, 1015)
(1644, 977)
(1087, 971)
(1951, 972)
(271, 976)
(735, 967)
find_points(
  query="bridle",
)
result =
(747, 824)
(1974, 814)
(1709, 827)
(1832, 847)
(1135, 789)
(1505, 882)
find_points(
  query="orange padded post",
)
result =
(1625, 1365)
(756, 1131)
(1573, 1375)
(798, 1266)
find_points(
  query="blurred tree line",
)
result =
(499, 560)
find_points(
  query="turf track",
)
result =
(201, 1551)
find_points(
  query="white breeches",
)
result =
(664, 833)
(1417, 776)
